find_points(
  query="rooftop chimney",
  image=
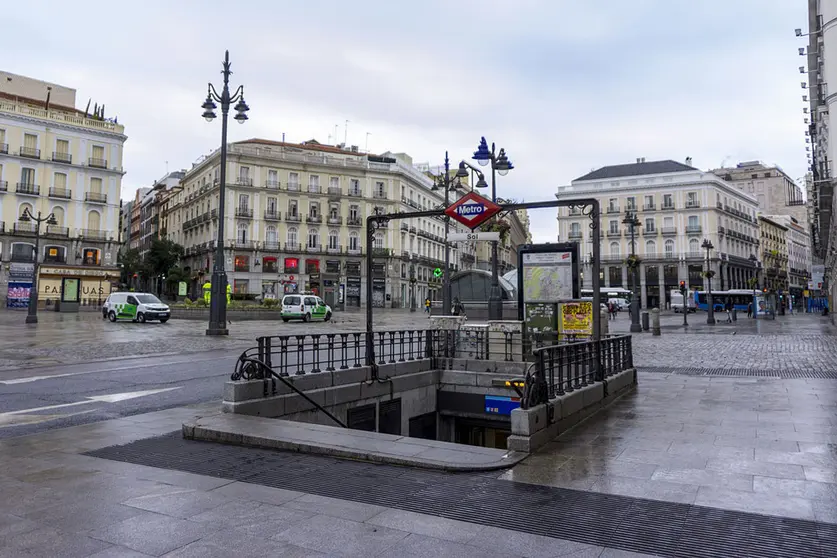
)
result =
(689, 161)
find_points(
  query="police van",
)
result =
(138, 307)
(305, 307)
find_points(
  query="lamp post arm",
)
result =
(212, 92)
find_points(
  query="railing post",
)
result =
(268, 352)
(330, 353)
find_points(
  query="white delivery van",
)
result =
(138, 307)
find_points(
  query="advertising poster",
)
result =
(577, 318)
(181, 288)
(18, 295)
(69, 290)
(547, 276)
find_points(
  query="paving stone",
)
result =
(333, 535)
(493, 539)
(48, 541)
(335, 508)
(227, 543)
(152, 533)
(431, 526)
(182, 503)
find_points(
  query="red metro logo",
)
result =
(472, 210)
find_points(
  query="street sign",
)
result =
(472, 210)
(437, 272)
(453, 237)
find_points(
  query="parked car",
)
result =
(304, 307)
(138, 307)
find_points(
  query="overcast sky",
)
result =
(564, 85)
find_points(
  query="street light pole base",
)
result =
(214, 329)
(495, 304)
(31, 319)
(636, 328)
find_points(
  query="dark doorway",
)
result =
(389, 417)
(361, 418)
(423, 426)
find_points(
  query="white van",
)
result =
(139, 307)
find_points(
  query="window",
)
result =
(354, 241)
(243, 201)
(693, 222)
(59, 180)
(379, 240)
(333, 240)
(98, 152)
(313, 183)
(668, 201)
(272, 178)
(650, 247)
(30, 141)
(614, 226)
(54, 254)
(271, 206)
(93, 220)
(334, 183)
(314, 209)
(614, 248)
(293, 238)
(380, 190)
(244, 175)
(241, 233)
(292, 266)
(334, 211)
(694, 246)
(649, 202)
(669, 248)
(62, 148)
(313, 238)
(631, 206)
(269, 265)
(613, 204)
(293, 181)
(270, 235)
(293, 208)
(668, 223)
(353, 212)
(575, 229)
(91, 256)
(58, 212)
(96, 185)
(354, 187)
(27, 176)
(649, 224)
(242, 263)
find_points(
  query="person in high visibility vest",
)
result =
(229, 293)
(207, 292)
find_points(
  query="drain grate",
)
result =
(744, 372)
(619, 522)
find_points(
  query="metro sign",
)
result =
(472, 210)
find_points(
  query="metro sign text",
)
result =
(472, 210)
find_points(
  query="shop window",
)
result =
(312, 266)
(291, 265)
(91, 256)
(240, 286)
(242, 263)
(55, 254)
(332, 266)
(269, 265)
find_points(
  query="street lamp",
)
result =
(448, 184)
(632, 221)
(32, 314)
(707, 245)
(218, 293)
(754, 260)
(499, 164)
(412, 288)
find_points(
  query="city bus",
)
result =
(740, 299)
(622, 296)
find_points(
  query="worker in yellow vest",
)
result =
(207, 292)
(229, 293)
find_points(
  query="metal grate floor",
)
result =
(618, 522)
(744, 372)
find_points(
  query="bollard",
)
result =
(603, 321)
(655, 321)
(734, 315)
(644, 321)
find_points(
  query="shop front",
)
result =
(314, 283)
(94, 284)
(290, 279)
(20, 284)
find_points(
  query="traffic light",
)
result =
(682, 287)
(764, 291)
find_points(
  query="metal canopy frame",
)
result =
(588, 206)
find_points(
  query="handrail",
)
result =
(261, 371)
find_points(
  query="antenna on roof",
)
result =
(346, 133)
(87, 109)
(49, 91)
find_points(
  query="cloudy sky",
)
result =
(564, 85)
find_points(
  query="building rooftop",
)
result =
(311, 144)
(639, 168)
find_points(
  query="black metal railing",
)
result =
(563, 368)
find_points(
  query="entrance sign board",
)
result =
(472, 210)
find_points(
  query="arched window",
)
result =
(669, 247)
(55, 254)
(23, 252)
(270, 235)
(694, 246)
(379, 240)
(241, 233)
(650, 247)
(293, 237)
(313, 238)
(354, 241)
(94, 220)
(614, 248)
(58, 212)
(333, 240)
(22, 209)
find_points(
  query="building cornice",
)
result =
(63, 126)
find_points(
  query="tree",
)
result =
(163, 256)
(132, 264)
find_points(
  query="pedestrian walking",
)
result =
(458, 307)
(749, 309)
(426, 305)
(728, 308)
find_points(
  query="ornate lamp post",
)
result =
(218, 296)
(448, 184)
(412, 288)
(632, 221)
(32, 314)
(755, 281)
(708, 246)
(499, 164)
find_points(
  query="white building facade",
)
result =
(678, 207)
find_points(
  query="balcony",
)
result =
(314, 219)
(244, 244)
(631, 209)
(28, 189)
(272, 184)
(694, 229)
(335, 220)
(55, 230)
(649, 231)
(24, 228)
(722, 230)
(271, 246)
(4, 186)
(692, 204)
(612, 234)
(95, 197)
(272, 215)
(244, 182)
(62, 193)
(244, 212)
(355, 193)
(93, 234)
(668, 207)
(379, 195)
(354, 251)
(381, 252)
(97, 163)
(649, 207)
(293, 247)
(313, 248)
(314, 189)
(694, 255)
(213, 214)
(335, 191)
(575, 235)
(30, 152)
(354, 222)
(4, 148)
(293, 186)
(668, 231)
(334, 249)
(62, 157)
(613, 209)
(293, 217)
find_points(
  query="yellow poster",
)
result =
(577, 318)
